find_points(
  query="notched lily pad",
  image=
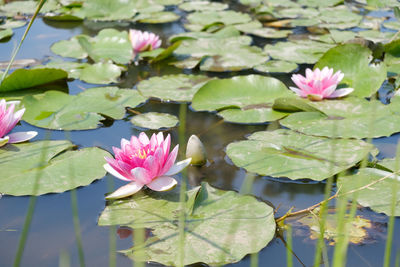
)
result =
(221, 227)
(38, 168)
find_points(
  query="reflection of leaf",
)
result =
(220, 226)
(356, 228)
(37, 168)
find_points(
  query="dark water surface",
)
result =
(52, 229)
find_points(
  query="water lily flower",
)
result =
(8, 120)
(143, 161)
(143, 41)
(196, 150)
(319, 84)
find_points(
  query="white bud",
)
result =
(195, 150)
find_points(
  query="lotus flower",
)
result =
(143, 41)
(8, 120)
(319, 84)
(144, 162)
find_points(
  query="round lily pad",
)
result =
(100, 73)
(202, 6)
(221, 227)
(227, 95)
(179, 87)
(38, 168)
(155, 120)
(276, 66)
(285, 153)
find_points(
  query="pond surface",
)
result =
(52, 230)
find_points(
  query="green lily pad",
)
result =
(157, 17)
(179, 87)
(198, 20)
(6, 34)
(11, 24)
(276, 66)
(59, 111)
(202, 6)
(25, 7)
(227, 95)
(155, 120)
(297, 12)
(378, 196)
(285, 153)
(298, 52)
(74, 69)
(339, 17)
(221, 227)
(350, 118)
(376, 36)
(354, 61)
(28, 78)
(255, 28)
(109, 9)
(37, 168)
(317, 3)
(393, 25)
(69, 48)
(334, 36)
(100, 73)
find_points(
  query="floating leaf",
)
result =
(100, 73)
(297, 52)
(199, 20)
(354, 61)
(284, 153)
(5, 34)
(37, 168)
(59, 111)
(179, 87)
(27, 78)
(227, 95)
(109, 9)
(350, 118)
(276, 66)
(221, 227)
(202, 6)
(69, 48)
(155, 120)
(157, 17)
(255, 28)
(376, 190)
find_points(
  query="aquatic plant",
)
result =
(319, 84)
(8, 120)
(143, 161)
(142, 41)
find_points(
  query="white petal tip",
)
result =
(125, 191)
(4, 141)
(163, 183)
(179, 166)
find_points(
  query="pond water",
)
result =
(52, 229)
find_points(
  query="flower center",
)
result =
(142, 154)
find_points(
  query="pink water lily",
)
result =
(319, 84)
(143, 161)
(8, 120)
(143, 41)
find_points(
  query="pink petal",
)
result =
(115, 173)
(125, 191)
(297, 91)
(141, 175)
(170, 160)
(162, 183)
(341, 92)
(21, 136)
(143, 139)
(179, 166)
(328, 91)
(3, 141)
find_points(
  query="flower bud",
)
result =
(195, 150)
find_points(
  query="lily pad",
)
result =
(69, 48)
(298, 52)
(378, 195)
(155, 120)
(28, 78)
(179, 87)
(202, 6)
(100, 73)
(221, 227)
(284, 153)
(276, 66)
(256, 28)
(157, 17)
(354, 61)
(227, 95)
(109, 9)
(350, 118)
(198, 20)
(5, 34)
(38, 168)
(59, 111)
